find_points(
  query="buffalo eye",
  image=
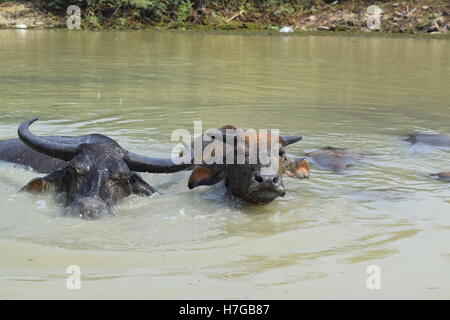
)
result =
(281, 153)
(120, 175)
(79, 168)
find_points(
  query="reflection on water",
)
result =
(363, 94)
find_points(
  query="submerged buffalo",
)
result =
(93, 172)
(443, 176)
(258, 182)
(334, 159)
(438, 140)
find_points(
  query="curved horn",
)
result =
(287, 140)
(139, 163)
(57, 150)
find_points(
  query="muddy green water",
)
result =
(364, 94)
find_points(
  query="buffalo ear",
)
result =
(201, 176)
(36, 185)
(39, 185)
(297, 168)
(54, 182)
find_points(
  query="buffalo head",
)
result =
(97, 175)
(257, 181)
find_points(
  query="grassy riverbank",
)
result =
(411, 17)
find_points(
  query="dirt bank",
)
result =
(400, 17)
(413, 16)
(14, 14)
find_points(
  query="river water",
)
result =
(363, 94)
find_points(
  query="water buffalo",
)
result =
(92, 172)
(258, 182)
(443, 176)
(334, 159)
(438, 140)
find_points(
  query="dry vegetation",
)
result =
(414, 16)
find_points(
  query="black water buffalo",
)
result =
(438, 140)
(250, 181)
(92, 172)
(334, 159)
(443, 176)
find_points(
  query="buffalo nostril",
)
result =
(276, 179)
(258, 178)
